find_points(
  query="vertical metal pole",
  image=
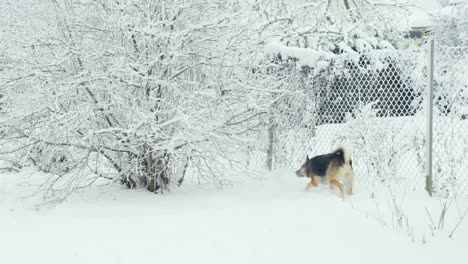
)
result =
(269, 161)
(429, 109)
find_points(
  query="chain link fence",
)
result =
(374, 102)
(450, 123)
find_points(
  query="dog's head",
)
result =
(302, 171)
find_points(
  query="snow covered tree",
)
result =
(336, 25)
(451, 24)
(139, 91)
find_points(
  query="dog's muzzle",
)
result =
(298, 173)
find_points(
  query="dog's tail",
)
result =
(345, 152)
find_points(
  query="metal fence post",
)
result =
(269, 161)
(429, 110)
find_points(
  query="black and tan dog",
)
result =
(335, 169)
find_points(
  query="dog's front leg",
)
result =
(310, 184)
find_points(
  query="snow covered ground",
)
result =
(269, 220)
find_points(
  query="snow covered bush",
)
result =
(336, 26)
(451, 24)
(450, 96)
(383, 145)
(332, 42)
(137, 91)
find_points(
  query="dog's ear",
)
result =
(307, 158)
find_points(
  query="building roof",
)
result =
(421, 12)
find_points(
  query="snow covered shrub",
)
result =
(324, 87)
(336, 26)
(450, 108)
(382, 145)
(332, 46)
(450, 150)
(51, 160)
(144, 91)
(450, 96)
(451, 25)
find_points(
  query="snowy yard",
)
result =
(185, 97)
(269, 220)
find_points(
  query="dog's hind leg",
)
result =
(332, 172)
(349, 180)
(335, 182)
(350, 188)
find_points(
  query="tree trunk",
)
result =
(157, 173)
